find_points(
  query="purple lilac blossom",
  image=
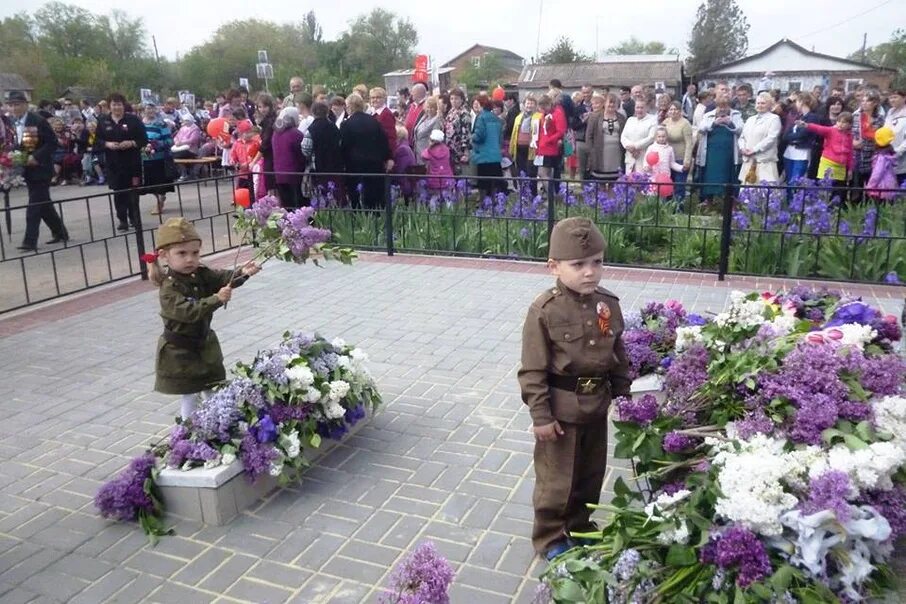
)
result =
(124, 497)
(674, 442)
(829, 492)
(283, 413)
(262, 209)
(423, 577)
(687, 373)
(256, 457)
(626, 564)
(739, 548)
(642, 357)
(188, 451)
(272, 367)
(755, 422)
(892, 505)
(298, 233)
(672, 488)
(640, 411)
(216, 417)
(695, 319)
(892, 278)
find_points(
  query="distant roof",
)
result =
(503, 52)
(409, 72)
(13, 81)
(739, 65)
(573, 75)
(638, 58)
(80, 92)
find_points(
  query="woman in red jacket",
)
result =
(550, 139)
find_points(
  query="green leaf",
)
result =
(315, 440)
(854, 442)
(782, 578)
(864, 431)
(567, 590)
(681, 555)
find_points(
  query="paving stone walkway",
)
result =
(448, 459)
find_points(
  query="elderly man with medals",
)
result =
(36, 139)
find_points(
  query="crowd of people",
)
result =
(705, 140)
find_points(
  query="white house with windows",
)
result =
(787, 66)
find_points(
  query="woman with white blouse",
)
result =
(758, 143)
(637, 134)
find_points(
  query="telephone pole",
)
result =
(156, 56)
(864, 45)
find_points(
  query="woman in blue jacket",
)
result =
(486, 154)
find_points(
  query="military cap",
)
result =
(575, 238)
(176, 230)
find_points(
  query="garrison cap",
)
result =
(575, 238)
(176, 230)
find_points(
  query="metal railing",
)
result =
(810, 232)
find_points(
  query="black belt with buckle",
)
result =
(578, 384)
(184, 341)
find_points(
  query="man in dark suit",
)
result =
(365, 151)
(35, 136)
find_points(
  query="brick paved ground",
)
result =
(448, 459)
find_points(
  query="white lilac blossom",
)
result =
(674, 534)
(338, 343)
(334, 410)
(301, 375)
(338, 389)
(687, 336)
(313, 395)
(742, 312)
(291, 444)
(276, 468)
(890, 417)
(869, 468)
(751, 484)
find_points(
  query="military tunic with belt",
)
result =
(189, 358)
(573, 363)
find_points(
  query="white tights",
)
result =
(189, 402)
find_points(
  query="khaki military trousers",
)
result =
(569, 473)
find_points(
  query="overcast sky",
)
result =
(830, 26)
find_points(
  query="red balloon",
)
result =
(663, 185)
(219, 127)
(652, 158)
(241, 197)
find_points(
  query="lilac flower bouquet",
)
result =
(650, 335)
(289, 397)
(422, 577)
(289, 235)
(774, 471)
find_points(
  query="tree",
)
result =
(563, 52)
(489, 71)
(377, 43)
(634, 46)
(720, 35)
(887, 54)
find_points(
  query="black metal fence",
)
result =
(807, 231)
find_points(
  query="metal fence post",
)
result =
(388, 215)
(550, 211)
(723, 265)
(136, 212)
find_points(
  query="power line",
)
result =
(843, 22)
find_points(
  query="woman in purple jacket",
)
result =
(289, 162)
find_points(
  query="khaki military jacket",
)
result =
(191, 360)
(562, 335)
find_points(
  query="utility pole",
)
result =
(157, 56)
(864, 45)
(538, 44)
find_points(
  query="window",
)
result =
(852, 84)
(476, 62)
(795, 86)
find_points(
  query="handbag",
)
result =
(171, 172)
(752, 174)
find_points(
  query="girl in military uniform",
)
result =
(189, 359)
(573, 364)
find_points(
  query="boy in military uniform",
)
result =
(573, 364)
(189, 359)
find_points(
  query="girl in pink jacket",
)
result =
(837, 156)
(437, 163)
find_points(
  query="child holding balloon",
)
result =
(243, 153)
(659, 160)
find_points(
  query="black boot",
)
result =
(122, 226)
(62, 237)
